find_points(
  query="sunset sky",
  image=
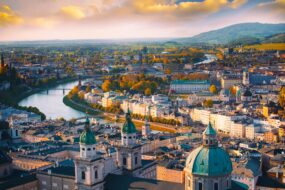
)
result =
(111, 19)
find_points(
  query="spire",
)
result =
(210, 136)
(129, 126)
(87, 136)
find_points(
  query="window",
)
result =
(136, 160)
(124, 161)
(200, 186)
(130, 137)
(83, 149)
(93, 148)
(65, 187)
(189, 183)
(206, 141)
(44, 182)
(125, 137)
(96, 174)
(216, 186)
(54, 184)
(16, 132)
(88, 149)
(83, 175)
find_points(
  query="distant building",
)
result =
(189, 86)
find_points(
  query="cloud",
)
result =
(73, 12)
(276, 7)
(9, 17)
(183, 8)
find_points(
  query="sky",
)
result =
(22, 20)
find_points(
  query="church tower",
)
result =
(129, 152)
(146, 126)
(245, 77)
(89, 167)
(208, 166)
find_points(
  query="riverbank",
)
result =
(83, 107)
(80, 107)
(13, 96)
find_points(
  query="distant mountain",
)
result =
(253, 32)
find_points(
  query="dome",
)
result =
(209, 159)
(129, 126)
(87, 136)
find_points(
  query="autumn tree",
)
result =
(208, 103)
(106, 86)
(213, 89)
(147, 91)
(88, 88)
(233, 91)
(167, 71)
(281, 97)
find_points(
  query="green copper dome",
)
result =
(209, 161)
(87, 136)
(129, 127)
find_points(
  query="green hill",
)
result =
(252, 32)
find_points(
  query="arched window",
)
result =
(83, 175)
(216, 186)
(124, 161)
(96, 174)
(136, 160)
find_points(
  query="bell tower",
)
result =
(129, 152)
(89, 167)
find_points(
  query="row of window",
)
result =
(88, 149)
(125, 161)
(130, 137)
(65, 186)
(83, 177)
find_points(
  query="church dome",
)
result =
(129, 127)
(87, 136)
(209, 159)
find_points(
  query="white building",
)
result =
(189, 86)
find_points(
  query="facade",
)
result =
(208, 166)
(189, 86)
(88, 166)
(229, 81)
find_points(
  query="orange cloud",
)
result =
(8, 16)
(73, 12)
(184, 8)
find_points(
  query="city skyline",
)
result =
(110, 19)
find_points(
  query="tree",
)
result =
(233, 91)
(147, 92)
(168, 71)
(281, 97)
(106, 86)
(88, 89)
(208, 103)
(213, 89)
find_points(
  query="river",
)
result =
(51, 103)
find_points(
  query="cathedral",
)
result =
(208, 167)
